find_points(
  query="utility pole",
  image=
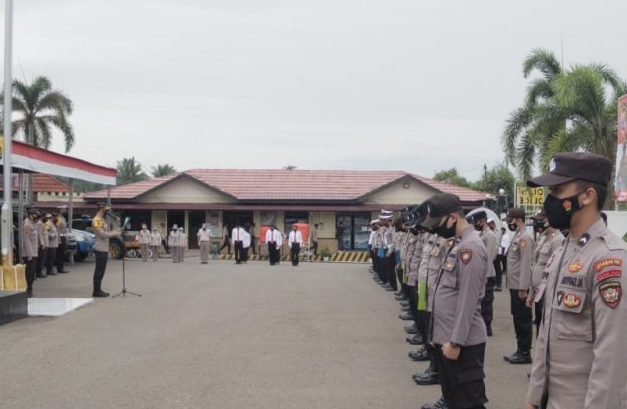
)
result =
(7, 208)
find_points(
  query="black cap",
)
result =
(32, 211)
(480, 215)
(515, 213)
(440, 205)
(566, 167)
(541, 215)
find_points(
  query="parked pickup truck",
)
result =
(117, 246)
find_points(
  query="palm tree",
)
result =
(565, 110)
(162, 170)
(39, 109)
(129, 171)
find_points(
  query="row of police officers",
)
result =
(570, 277)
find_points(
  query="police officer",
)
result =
(173, 243)
(204, 240)
(30, 239)
(145, 238)
(53, 244)
(549, 240)
(182, 240)
(61, 225)
(457, 329)
(579, 359)
(519, 258)
(390, 263)
(480, 220)
(101, 247)
(43, 246)
(155, 243)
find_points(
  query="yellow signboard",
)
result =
(529, 196)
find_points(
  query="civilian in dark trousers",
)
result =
(238, 243)
(239, 251)
(295, 240)
(498, 280)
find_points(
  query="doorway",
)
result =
(353, 231)
(196, 219)
(232, 218)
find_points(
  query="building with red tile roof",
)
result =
(278, 196)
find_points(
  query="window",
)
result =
(295, 217)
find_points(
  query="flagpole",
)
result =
(7, 208)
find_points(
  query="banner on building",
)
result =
(620, 182)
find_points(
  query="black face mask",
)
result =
(560, 211)
(540, 227)
(446, 232)
(512, 226)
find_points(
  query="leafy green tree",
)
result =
(451, 176)
(162, 170)
(564, 110)
(129, 171)
(39, 109)
(496, 178)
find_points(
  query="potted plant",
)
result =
(325, 253)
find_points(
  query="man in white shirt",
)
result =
(144, 241)
(273, 237)
(245, 246)
(204, 240)
(237, 237)
(295, 240)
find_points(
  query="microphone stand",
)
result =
(124, 290)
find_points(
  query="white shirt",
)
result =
(246, 240)
(237, 234)
(505, 242)
(274, 236)
(144, 237)
(155, 239)
(204, 235)
(295, 237)
(372, 233)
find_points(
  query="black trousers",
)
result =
(539, 308)
(391, 271)
(499, 272)
(101, 266)
(295, 253)
(51, 256)
(165, 246)
(227, 244)
(462, 381)
(252, 244)
(413, 304)
(61, 254)
(30, 267)
(383, 268)
(503, 260)
(245, 254)
(41, 260)
(239, 250)
(272, 253)
(486, 303)
(315, 248)
(522, 321)
(424, 321)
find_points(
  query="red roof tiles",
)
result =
(288, 185)
(43, 183)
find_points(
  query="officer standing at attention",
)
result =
(61, 226)
(457, 329)
(182, 240)
(145, 238)
(53, 244)
(579, 358)
(155, 243)
(30, 237)
(101, 248)
(43, 246)
(480, 220)
(519, 258)
(204, 239)
(173, 243)
(548, 242)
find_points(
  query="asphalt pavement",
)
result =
(320, 335)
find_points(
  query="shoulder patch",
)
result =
(608, 262)
(611, 293)
(450, 242)
(575, 267)
(609, 274)
(97, 223)
(466, 256)
(522, 243)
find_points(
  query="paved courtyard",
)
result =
(321, 335)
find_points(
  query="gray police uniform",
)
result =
(519, 258)
(30, 239)
(579, 359)
(53, 244)
(456, 317)
(489, 240)
(549, 242)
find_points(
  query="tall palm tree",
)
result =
(162, 170)
(129, 171)
(38, 110)
(564, 110)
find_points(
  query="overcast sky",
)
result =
(327, 84)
